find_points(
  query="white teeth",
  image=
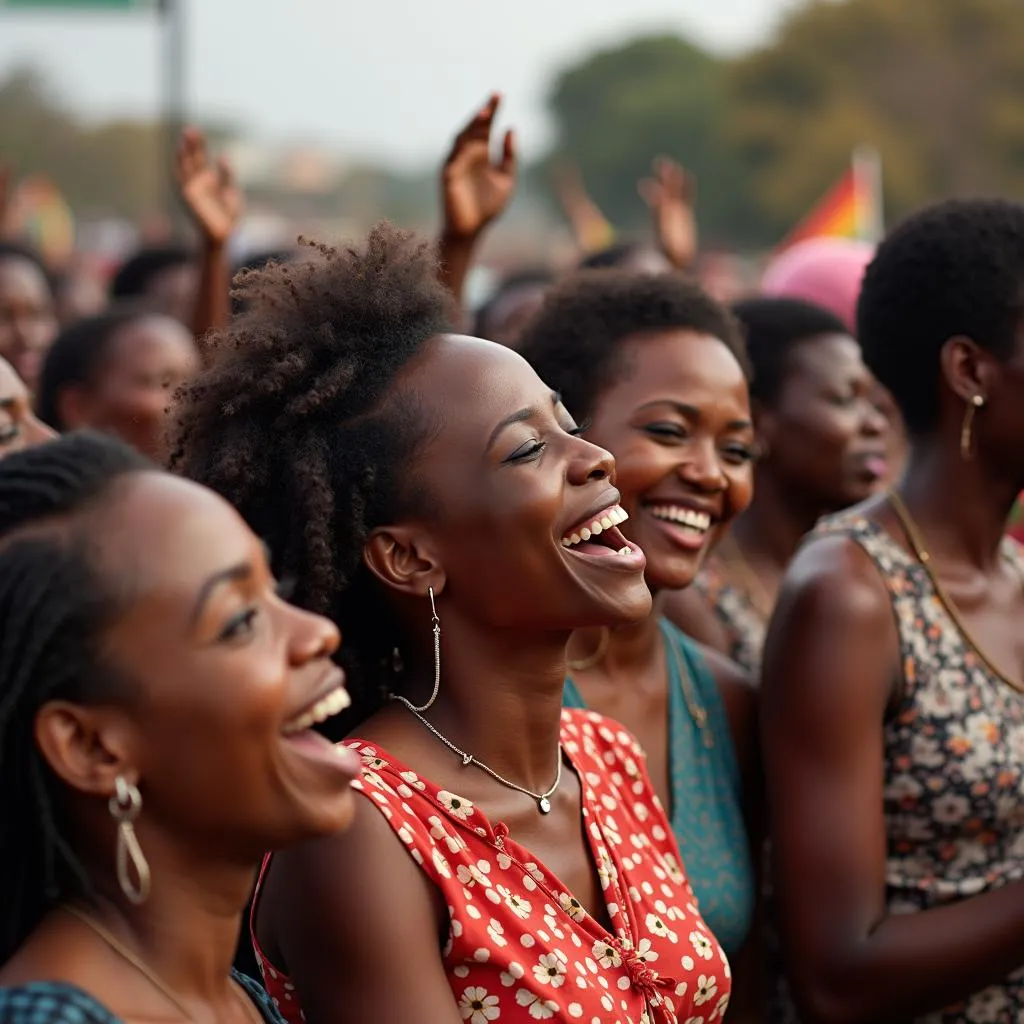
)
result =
(608, 519)
(328, 706)
(625, 551)
(699, 521)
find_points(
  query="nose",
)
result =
(703, 467)
(590, 462)
(313, 637)
(875, 423)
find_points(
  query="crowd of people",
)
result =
(615, 651)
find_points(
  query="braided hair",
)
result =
(54, 610)
(298, 425)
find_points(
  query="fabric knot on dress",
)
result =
(645, 979)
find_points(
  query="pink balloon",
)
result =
(825, 271)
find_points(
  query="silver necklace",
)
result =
(543, 799)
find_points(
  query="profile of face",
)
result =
(678, 422)
(512, 495)
(19, 426)
(145, 362)
(28, 323)
(825, 436)
(219, 681)
(173, 291)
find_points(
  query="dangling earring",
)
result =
(436, 629)
(967, 430)
(125, 805)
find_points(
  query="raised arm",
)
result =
(831, 667)
(215, 204)
(670, 192)
(359, 928)
(475, 190)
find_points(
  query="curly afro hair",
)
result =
(293, 424)
(574, 341)
(952, 269)
(773, 328)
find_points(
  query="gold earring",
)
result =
(125, 805)
(967, 429)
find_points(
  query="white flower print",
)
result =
(550, 970)
(723, 1005)
(470, 875)
(606, 955)
(950, 808)
(540, 1009)
(519, 906)
(646, 952)
(497, 933)
(441, 864)
(701, 945)
(414, 780)
(373, 763)
(706, 990)
(478, 1007)
(572, 906)
(512, 975)
(458, 806)
(657, 925)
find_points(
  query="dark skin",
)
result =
(826, 445)
(28, 323)
(678, 423)
(146, 361)
(504, 633)
(832, 672)
(213, 654)
(19, 426)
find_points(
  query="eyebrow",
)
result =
(519, 416)
(693, 413)
(233, 574)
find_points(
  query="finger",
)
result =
(650, 191)
(508, 153)
(479, 126)
(225, 173)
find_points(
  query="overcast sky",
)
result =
(382, 78)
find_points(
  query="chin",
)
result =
(634, 604)
(327, 816)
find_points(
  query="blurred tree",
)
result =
(619, 109)
(937, 88)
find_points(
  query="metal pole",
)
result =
(172, 13)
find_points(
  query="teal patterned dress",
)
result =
(706, 795)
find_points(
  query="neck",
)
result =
(187, 931)
(500, 698)
(630, 649)
(773, 526)
(960, 507)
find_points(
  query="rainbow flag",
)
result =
(851, 209)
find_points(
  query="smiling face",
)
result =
(19, 426)
(509, 481)
(678, 422)
(28, 324)
(222, 678)
(825, 435)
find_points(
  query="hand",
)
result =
(208, 189)
(475, 189)
(7, 190)
(670, 194)
(588, 223)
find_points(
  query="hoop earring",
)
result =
(436, 629)
(125, 805)
(967, 429)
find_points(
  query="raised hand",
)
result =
(7, 189)
(208, 189)
(671, 193)
(475, 188)
(588, 223)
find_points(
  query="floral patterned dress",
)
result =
(520, 948)
(954, 770)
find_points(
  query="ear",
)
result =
(403, 558)
(966, 368)
(87, 748)
(73, 406)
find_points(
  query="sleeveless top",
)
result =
(954, 768)
(520, 947)
(735, 610)
(707, 794)
(57, 1002)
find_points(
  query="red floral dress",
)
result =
(520, 948)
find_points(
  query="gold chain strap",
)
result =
(917, 544)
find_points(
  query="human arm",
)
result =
(215, 204)
(358, 927)
(589, 225)
(475, 191)
(831, 664)
(670, 194)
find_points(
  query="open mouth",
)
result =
(330, 704)
(599, 535)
